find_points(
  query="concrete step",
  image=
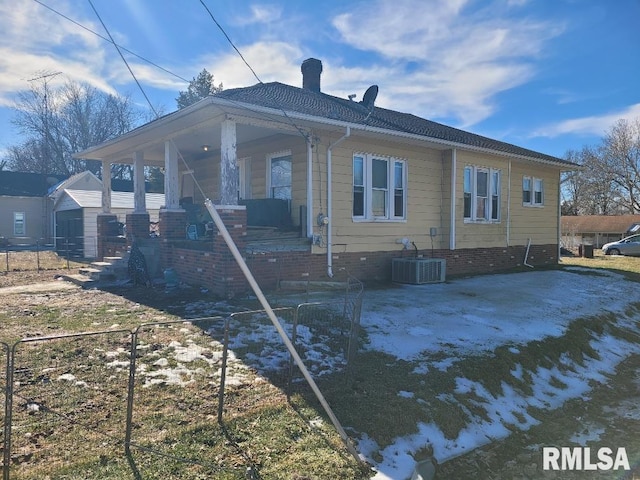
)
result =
(98, 274)
(80, 279)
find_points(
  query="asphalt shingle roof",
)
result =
(598, 223)
(24, 184)
(293, 99)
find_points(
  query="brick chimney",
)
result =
(311, 70)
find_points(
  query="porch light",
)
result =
(206, 148)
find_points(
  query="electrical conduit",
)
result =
(329, 200)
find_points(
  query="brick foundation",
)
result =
(137, 226)
(217, 270)
(210, 263)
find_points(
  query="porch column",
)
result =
(228, 164)
(106, 186)
(139, 200)
(138, 221)
(171, 177)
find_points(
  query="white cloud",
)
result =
(464, 56)
(591, 125)
(277, 61)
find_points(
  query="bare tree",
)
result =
(621, 148)
(57, 123)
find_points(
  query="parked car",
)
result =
(626, 246)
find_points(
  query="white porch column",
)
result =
(139, 200)
(171, 177)
(228, 181)
(106, 186)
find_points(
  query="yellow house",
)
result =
(314, 186)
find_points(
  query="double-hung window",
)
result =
(379, 188)
(481, 194)
(18, 224)
(279, 175)
(532, 192)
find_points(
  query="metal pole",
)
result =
(283, 335)
(223, 372)
(8, 409)
(130, 391)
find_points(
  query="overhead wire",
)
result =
(110, 41)
(155, 112)
(284, 112)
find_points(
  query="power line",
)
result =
(291, 122)
(124, 60)
(110, 41)
(230, 41)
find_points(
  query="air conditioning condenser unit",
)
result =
(417, 271)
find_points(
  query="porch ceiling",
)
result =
(189, 129)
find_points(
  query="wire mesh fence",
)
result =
(40, 256)
(178, 398)
(174, 403)
(66, 390)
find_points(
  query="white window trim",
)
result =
(474, 197)
(532, 196)
(270, 157)
(24, 224)
(390, 193)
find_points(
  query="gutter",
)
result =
(309, 188)
(329, 201)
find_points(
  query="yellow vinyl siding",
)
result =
(538, 223)
(424, 177)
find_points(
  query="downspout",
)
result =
(526, 255)
(329, 200)
(309, 188)
(560, 217)
(452, 226)
(509, 207)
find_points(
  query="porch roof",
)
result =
(267, 107)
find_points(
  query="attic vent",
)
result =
(417, 271)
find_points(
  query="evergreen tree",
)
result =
(200, 87)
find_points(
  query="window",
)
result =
(481, 194)
(532, 191)
(279, 166)
(18, 224)
(379, 188)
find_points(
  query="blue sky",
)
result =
(550, 75)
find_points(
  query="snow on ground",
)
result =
(475, 315)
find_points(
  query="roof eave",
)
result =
(382, 131)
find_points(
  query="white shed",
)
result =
(76, 213)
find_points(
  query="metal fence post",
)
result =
(8, 409)
(130, 390)
(223, 373)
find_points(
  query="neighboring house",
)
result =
(358, 182)
(77, 203)
(596, 230)
(25, 209)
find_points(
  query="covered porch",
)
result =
(256, 172)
